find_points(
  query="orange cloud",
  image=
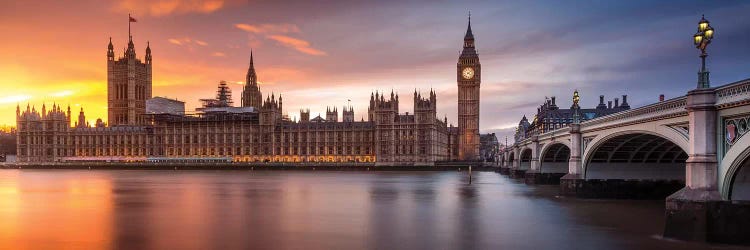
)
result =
(179, 41)
(275, 31)
(218, 54)
(187, 42)
(282, 28)
(168, 7)
(297, 44)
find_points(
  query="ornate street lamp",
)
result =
(701, 39)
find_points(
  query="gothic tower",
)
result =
(332, 115)
(251, 95)
(468, 74)
(128, 85)
(348, 115)
(304, 115)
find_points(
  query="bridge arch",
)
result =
(526, 155)
(637, 154)
(734, 171)
(554, 157)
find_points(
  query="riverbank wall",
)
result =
(447, 166)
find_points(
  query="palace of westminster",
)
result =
(146, 129)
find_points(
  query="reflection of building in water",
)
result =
(257, 131)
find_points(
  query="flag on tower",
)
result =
(132, 20)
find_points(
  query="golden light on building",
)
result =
(257, 131)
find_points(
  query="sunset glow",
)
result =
(319, 55)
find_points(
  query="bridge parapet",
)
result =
(554, 134)
(658, 111)
(733, 94)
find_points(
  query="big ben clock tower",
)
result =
(469, 77)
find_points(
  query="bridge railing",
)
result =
(733, 94)
(674, 107)
(554, 133)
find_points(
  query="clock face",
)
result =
(468, 73)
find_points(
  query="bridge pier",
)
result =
(570, 182)
(577, 186)
(533, 174)
(515, 169)
(518, 173)
(505, 170)
(505, 167)
(534, 177)
(692, 212)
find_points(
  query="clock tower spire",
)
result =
(468, 75)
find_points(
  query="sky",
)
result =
(325, 53)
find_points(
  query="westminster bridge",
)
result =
(690, 149)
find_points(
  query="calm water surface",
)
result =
(42, 209)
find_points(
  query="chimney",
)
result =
(661, 97)
(609, 104)
(617, 102)
(601, 103)
(625, 104)
(554, 105)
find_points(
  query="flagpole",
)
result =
(129, 36)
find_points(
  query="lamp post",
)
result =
(702, 39)
(575, 107)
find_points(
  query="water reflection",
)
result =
(310, 210)
(43, 211)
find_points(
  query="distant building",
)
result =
(158, 130)
(163, 105)
(488, 147)
(8, 158)
(8, 145)
(550, 117)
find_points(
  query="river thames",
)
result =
(121, 209)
